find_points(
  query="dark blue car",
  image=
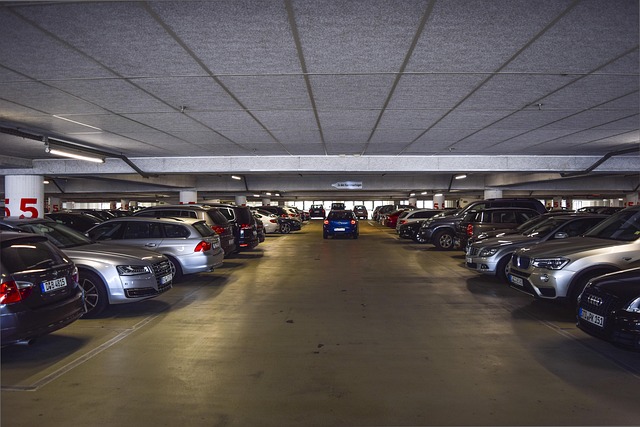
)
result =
(340, 222)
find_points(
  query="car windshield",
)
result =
(341, 215)
(58, 234)
(623, 226)
(543, 227)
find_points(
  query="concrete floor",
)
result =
(310, 332)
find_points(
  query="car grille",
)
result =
(473, 251)
(521, 261)
(160, 270)
(598, 302)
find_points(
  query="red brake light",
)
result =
(353, 222)
(218, 229)
(470, 230)
(11, 292)
(326, 221)
(202, 246)
(245, 226)
(273, 220)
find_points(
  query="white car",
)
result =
(269, 220)
(415, 215)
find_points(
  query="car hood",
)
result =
(570, 245)
(624, 284)
(113, 253)
(515, 239)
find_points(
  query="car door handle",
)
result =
(151, 245)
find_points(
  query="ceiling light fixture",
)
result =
(239, 178)
(78, 123)
(56, 152)
(461, 176)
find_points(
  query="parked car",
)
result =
(441, 232)
(419, 237)
(293, 213)
(409, 230)
(338, 206)
(415, 215)
(317, 211)
(79, 221)
(244, 222)
(213, 217)
(259, 228)
(609, 308)
(39, 290)
(475, 222)
(98, 213)
(492, 255)
(109, 273)
(269, 220)
(381, 210)
(561, 269)
(189, 244)
(361, 211)
(391, 219)
(286, 223)
(343, 222)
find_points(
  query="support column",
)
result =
(266, 201)
(438, 201)
(631, 200)
(54, 204)
(492, 193)
(557, 203)
(133, 205)
(188, 197)
(113, 205)
(241, 200)
(24, 196)
(413, 201)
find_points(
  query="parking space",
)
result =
(309, 331)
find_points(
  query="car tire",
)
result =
(175, 267)
(443, 240)
(501, 268)
(419, 238)
(285, 228)
(95, 294)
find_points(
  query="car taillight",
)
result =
(353, 222)
(202, 246)
(245, 226)
(326, 222)
(402, 221)
(284, 215)
(12, 291)
(273, 221)
(470, 230)
(218, 229)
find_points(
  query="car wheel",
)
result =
(285, 228)
(175, 268)
(443, 240)
(95, 294)
(501, 268)
(419, 238)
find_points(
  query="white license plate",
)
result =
(52, 285)
(592, 317)
(232, 241)
(165, 279)
(469, 260)
(516, 280)
(339, 229)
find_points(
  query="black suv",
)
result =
(317, 211)
(246, 226)
(441, 231)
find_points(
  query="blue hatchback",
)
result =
(340, 222)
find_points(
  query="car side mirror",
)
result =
(560, 235)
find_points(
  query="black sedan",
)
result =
(39, 290)
(609, 308)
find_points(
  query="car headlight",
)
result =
(550, 263)
(133, 270)
(487, 252)
(634, 306)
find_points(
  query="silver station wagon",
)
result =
(109, 273)
(191, 245)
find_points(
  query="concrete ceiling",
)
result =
(530, 97)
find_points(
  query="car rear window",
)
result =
(24, 255)
(340, 215)
(217, 217)
(201, 227)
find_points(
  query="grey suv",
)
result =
(561, 269)
(441, 231)
(190, 245)
(109, 273)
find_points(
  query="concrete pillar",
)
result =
(631, 200)
(438, 201)
(492, 193)
(569, 203)
(113, 205)
(24, 196)
(413, 201)
(133, 205)
(241, 200)
(54, 204)
(188, 197)
(557, 203)
(266, 201)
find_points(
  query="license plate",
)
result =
(232, 241)
(339, 229)
(165, 279)
(592, 318)
(469, 260)
(52, 285)
(516, 280)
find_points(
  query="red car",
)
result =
(392, 219)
